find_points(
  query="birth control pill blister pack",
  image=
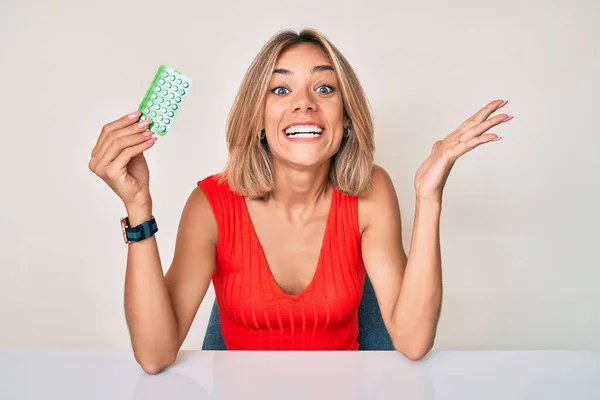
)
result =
(164, 98)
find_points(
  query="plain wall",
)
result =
(520, 216)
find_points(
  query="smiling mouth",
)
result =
(304, 131)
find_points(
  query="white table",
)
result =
(69, 374)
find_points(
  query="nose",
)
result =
(304, 101)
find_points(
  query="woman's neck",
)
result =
(298, 192)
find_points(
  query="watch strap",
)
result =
(139, 232)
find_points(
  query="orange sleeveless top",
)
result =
(255, 313)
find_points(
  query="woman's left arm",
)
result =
(409, 288)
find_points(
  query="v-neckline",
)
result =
(263, 258)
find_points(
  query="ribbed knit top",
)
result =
(255, 313)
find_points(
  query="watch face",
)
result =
(124, 230)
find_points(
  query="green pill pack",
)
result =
(164, 97)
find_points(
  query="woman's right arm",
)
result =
(160, 310)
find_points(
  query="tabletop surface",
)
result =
(69, 374)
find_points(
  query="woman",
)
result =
(288, 231)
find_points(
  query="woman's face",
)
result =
(304, 112)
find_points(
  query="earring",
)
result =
(346, 132)
(262, 135)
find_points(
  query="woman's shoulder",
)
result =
(380, 199)
(216, 183)
(216, 179)
(216, 189)
(213, 195)
(381, 186)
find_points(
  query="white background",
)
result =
(520, 216)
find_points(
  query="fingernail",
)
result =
(152, 140)
(496, 139)
(507, 118)
(144, 123)
(503, 104)
(147, 133)
(134, 114)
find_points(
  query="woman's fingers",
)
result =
(129, 130)
(128, 153)
(126, 121)
(483, 114)
(129, 145)
(479, 129)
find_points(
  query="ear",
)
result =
(347, 120)
(347, 123)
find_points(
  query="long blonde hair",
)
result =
(248, 169)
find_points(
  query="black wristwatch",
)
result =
(139, 232)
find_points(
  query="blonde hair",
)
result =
(248, 169)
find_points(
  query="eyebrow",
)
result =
(318, 68)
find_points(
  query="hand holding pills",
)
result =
(118, 156)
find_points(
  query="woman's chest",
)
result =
(307, 287)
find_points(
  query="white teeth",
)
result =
(305, 135)
(303, 129)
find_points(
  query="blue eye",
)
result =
(325, 89)
(279, 91)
